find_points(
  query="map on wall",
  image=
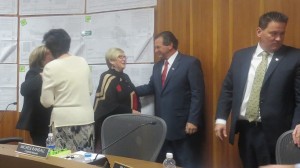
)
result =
(8, 39)
(121, 29)
(8, 7)
(38, 7)
(8, 87)
(93, 6)
(93, 34)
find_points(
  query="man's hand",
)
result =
(190, 128)
(296, 135)
(220, 131)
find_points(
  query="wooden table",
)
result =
(10, 159)
(135, 163)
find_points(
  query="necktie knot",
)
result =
(264, 54)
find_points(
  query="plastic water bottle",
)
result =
(169, 162)
(50, 142)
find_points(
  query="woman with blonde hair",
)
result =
(34, 117)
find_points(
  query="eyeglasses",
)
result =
(122, 57)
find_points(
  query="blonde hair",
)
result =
(112, 54)
(37, 56)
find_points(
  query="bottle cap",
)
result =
(50, 134)
(169, 155)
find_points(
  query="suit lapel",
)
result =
(158, 73)
(245, 68)
(276, 59)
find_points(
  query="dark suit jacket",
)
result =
(34, 117)
(182, 98)
(279, 97)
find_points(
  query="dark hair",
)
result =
(168, 38)
(268, 17)
(57, 41)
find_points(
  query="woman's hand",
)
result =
(135, 112)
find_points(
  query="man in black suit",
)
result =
(278, 97)
(179, 97)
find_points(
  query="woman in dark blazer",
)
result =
(115, 93)
(34, 117)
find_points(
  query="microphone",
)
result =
(14, 103)
(124, 136)
(2, 115)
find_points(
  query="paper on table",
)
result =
(93, 154)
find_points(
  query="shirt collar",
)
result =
(172, 58)
(259, 50)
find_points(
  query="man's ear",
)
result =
(170, 47)
(258, 32)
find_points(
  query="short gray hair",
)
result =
(112, 54)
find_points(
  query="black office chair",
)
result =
(11, 140)
(286, 151)
(134, 136)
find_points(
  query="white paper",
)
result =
(9, 7)
(93, 35)
(32, 30)
(92, 157)
(8, 87)
(130, 30)
(109, 5)
(39, 7)
(8, 39)
(140, 74)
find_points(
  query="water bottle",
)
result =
(169, 162)
(50, 142)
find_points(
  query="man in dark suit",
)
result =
(178, 86)
(278, 97)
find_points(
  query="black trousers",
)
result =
(39, 138)
(254, 148)
(186, 152)
(98, 125)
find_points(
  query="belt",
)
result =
(246, 123)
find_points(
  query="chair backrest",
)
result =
(134, 136)
(286, 151)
